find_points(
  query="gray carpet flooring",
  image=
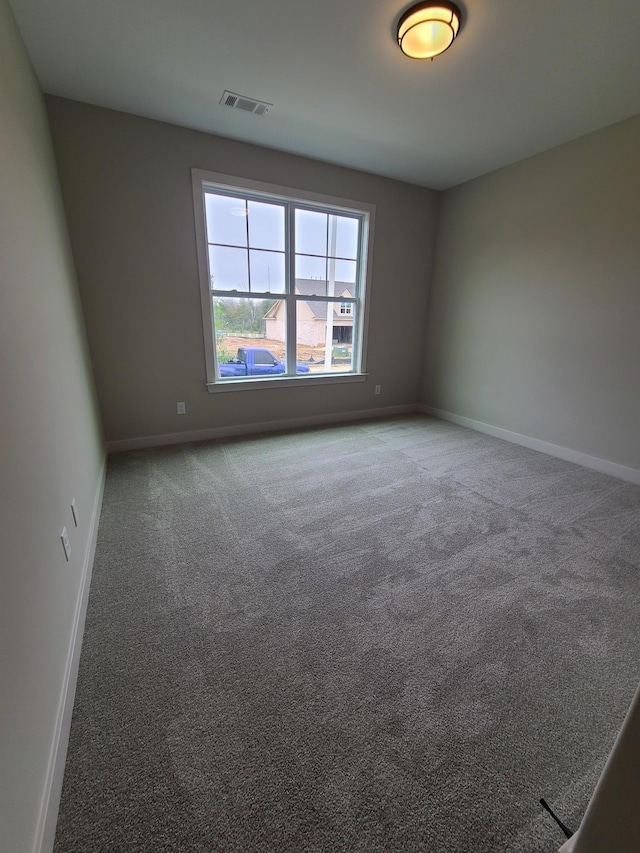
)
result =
(386, 636)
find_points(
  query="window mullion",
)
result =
(246, 207)
(315, 298)
(290, 286)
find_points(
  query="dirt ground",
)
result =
(305, 353)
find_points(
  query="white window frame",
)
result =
(204, 180)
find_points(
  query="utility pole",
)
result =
(331, 287)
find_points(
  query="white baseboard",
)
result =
(622, 472)
(46, 829)
(254, 428)
(570, 844)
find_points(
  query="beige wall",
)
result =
(534, 318)
(50, 445)
(127, 189)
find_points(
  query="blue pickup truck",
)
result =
(255, 361)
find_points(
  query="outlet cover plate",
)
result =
(64, 538)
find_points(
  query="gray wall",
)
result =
(534, 318)
(127, 189)
(51, 447)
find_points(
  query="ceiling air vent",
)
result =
(248, 105)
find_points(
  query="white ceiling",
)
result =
(523, 75)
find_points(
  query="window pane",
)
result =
(226, 219)
(313, 320)
(243, 348)
(228, 268)
(266, 226)
(311, 232)
(345, 271)
(267, 271)
(346, 237)
(311, 276)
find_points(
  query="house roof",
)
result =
(520, 78)
(315, 287)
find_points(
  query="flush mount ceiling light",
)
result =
(428, 29)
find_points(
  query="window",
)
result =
(284, 279)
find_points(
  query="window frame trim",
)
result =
(200, 178)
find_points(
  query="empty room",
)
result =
(319, 426)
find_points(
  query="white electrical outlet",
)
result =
(181, 408)
(64, 537)
(377, 390)
(74, 511)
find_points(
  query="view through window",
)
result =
(286, 281)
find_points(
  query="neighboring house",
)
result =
(312, 316)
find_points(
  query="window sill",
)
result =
(272, 382)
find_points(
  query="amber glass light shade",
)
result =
(428, 29)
